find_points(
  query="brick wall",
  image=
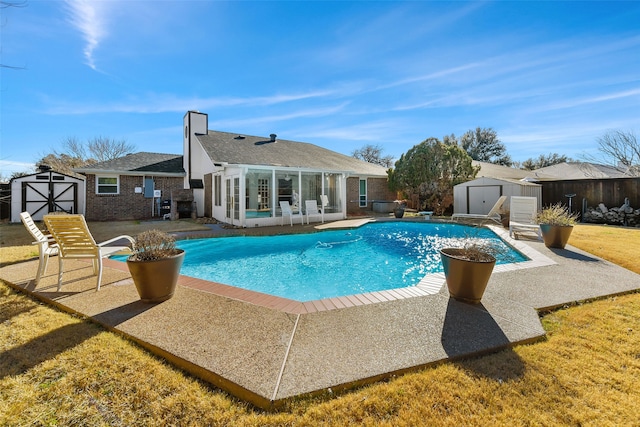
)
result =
(377, 189)
(128, 204)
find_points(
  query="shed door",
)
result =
(482, 198)
(40, 198)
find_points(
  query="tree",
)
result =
(620, 150)
(483, 145)
(74, 154)
(373, 154)
(543, 161)
(429, 171)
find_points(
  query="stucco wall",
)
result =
(128, 204)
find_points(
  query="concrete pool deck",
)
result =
(264, 352)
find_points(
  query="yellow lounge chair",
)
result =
(76, 242)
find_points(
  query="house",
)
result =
(241, 179)
(234, 178)
(131, 187)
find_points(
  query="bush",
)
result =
(556, 215)
(153, 245)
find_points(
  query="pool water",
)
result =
(305, 267)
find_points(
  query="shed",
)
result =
(46, 191)
(479, 195)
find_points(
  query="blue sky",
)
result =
(547, 76)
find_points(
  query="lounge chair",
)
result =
(286, 211)
(522, 213)
(46, 245)
(76, 242)
(493, 214)
(311, 209)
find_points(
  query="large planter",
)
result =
(555, 236)
(466, 279)
(398, 212)
(156, 280)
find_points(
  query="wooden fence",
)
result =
(590, 192)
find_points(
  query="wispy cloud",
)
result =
(87, 17)
(166, 103)
(594, 99)
(298, 114)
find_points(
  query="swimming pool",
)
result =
(304, 267)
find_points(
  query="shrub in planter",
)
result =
(467, 277)
(155, 265)
(468, 269)
(556, 224)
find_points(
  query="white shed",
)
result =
(44, 192)
(479, 195)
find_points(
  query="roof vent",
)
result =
(274, 137)
(239, 137)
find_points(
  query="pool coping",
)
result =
(430, 284)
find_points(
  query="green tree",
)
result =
(429, 171)
(483, 145)
(543, 161)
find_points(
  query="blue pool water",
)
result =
(305, 267)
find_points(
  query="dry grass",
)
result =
(56, 369)
(616, 244)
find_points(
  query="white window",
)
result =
(363, 193)
(107, 185)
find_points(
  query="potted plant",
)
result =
(398, 210)
(155, 265)
(556, 224)
(468, 269)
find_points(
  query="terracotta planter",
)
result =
(466, 280)
(555, 236)
(156, 280)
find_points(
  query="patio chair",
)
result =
(76, 242)
(522, 213)
(325, 201)
(46, 245)
(311, 209)
(492, 215)
(285, 207)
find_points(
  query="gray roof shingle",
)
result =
(142, 162)
(231, 148)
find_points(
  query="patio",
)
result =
(262, 351)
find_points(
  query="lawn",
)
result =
(57, 369)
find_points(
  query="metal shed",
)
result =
(479, 195)
(44, 192)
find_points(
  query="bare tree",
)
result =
(373, 154)
(74, 153)
(103, 149)
(620, 150)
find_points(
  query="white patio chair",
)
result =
(285, 207)
(522, 213)
(46, 245)
(311, 209)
